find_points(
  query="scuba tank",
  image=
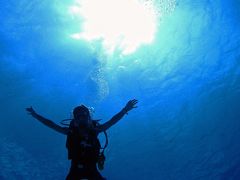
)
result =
(101, 157)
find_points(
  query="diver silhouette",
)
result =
(82, 142)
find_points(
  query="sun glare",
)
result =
(121, 25)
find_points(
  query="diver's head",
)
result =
(81, 115)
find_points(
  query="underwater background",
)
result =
(186, 78)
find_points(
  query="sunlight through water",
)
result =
(119, 25)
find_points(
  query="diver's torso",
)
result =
(83, 145)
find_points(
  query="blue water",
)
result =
(187, 124)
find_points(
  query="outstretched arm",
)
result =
(129, 106)
(47, 122)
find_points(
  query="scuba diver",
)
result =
(82, 143)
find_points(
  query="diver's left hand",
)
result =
(31, 111)
(130, 105)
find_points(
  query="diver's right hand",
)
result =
(31, 111)
(130, 105)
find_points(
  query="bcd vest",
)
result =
(82, 144)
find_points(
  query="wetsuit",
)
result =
(83, 151)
